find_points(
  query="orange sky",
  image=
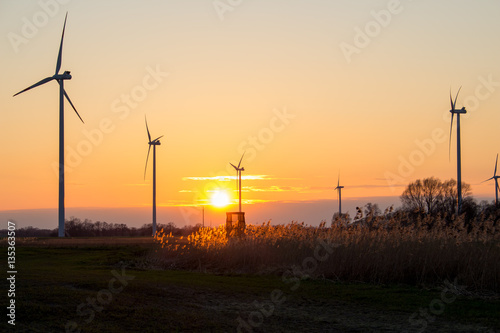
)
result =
(307, 89)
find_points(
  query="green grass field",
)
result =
(68, 285)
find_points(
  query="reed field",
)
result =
(385, 251)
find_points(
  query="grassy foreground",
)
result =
(67, 286)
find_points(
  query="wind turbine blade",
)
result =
(495, 173)
(59, 57)
(455, 103)
(237, 173)
(146, 167)
(338, 180)
(241, 159)
(67, 97)
(158, 138)
(147, 129)
(39, 83)
(451, 102)
(484, 181)
(451, 129)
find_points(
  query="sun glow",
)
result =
(220, 199)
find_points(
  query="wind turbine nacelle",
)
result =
(64, 76)
(462, 110)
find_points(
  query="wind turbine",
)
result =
(339, 188)
(495, 177)
(238, 177)
(459, 159)
(62, 94)
(154, 143)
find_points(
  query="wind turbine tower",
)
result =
(495, 177)
(238, 179)
(339, 189)
(458, 112)
(154, 143)
(62, 94)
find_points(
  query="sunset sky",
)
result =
(307, 89)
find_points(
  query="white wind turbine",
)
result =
(62, 94)
(495, 177)
(154, 143)
(458, 112)
(238, 178)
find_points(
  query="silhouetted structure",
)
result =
(339, 189)
(154, 143)
(235, 223)
(62, 93)
(495, 177)
(459, 158)
(238, 178)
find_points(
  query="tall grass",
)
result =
(381, 251)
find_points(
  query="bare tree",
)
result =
(433, 196)
(413, 197)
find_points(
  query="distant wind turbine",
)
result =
(62, 94)
(339, 189)
(238, 177)
(495, 177)
(459, 158)
(154, 143)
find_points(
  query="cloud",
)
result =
(273, 188)
(229, 178)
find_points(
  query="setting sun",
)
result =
(220, 199)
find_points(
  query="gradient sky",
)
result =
(306, 88)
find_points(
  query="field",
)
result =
(261, 283)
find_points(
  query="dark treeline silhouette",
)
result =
(427, 203)
(430, 200)
(75, 227)
(433, 197)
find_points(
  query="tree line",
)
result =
(74, 227)
(429, 197)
